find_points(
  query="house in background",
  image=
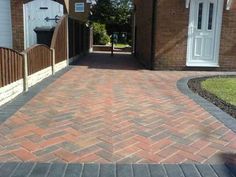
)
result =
(186, 34)
(20, 18)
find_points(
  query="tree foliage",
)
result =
(102, 12)
(116, 14)
(100, 34)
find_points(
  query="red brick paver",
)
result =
(102, 112)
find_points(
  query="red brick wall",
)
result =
(172, 30)
(228, 40)
(144, 29)
(17, 24)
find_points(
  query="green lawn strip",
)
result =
(222, 87)
(121, 45)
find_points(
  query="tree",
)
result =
(102, 12)
(123, 11)
(116, 14)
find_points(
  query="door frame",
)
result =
(219, 15)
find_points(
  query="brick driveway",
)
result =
(111, 110)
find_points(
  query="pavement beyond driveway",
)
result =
(111, 110)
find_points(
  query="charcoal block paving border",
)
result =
(10, 108)
(112, 170)
(222, 116)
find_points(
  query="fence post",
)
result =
(91, 39)
(26, 86)
(53, 61)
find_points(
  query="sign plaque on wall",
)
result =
(79, 7)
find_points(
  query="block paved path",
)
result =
(111, 110)
(112, 170)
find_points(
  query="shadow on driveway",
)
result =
(120, 61)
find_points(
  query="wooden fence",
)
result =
(74, 37)
(15, 66)
(79, 37)
(39, 57)
(59, 40)
(11, 66)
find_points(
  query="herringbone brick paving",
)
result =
(108, 110)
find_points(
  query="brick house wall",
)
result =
(83, 17)
(17, 24)
(228, 40)
(172, 34)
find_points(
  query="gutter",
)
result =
(153, 34)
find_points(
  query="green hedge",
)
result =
(100, 35)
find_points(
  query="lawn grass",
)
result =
(121, 45)
(222, 87)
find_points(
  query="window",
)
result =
(200, 11)
(210, 19)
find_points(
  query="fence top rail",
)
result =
(55, 34)
(35, 46)
(15, 51)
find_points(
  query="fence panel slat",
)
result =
(39, 57)
(79, 37)
(59, 40)
(11, 66)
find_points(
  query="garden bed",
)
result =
(196, 86)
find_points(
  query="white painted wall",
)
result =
(5, 24)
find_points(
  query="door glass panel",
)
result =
(210, 19)
(200, 11)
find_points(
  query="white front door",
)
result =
(204, 33)
(5, 24)
(35, 14)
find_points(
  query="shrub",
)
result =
(100, 35)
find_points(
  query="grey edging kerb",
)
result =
(222, 116)
(113, 170)
(10, 108)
